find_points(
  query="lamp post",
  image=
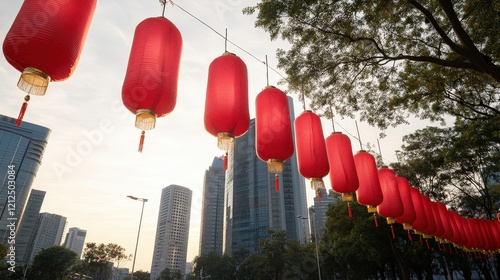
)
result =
(315, 243)
(144, 200)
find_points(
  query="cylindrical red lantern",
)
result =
(420, 221)
(150, 86)
(408, 209)
(312, 159)
(445, 221)
(392, 205)
(437, 219)
(45, 42)
(226, 104)
(369, 192)
(343, 176)
(431, 228)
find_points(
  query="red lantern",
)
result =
(437, 219)
(408, 209)
(312, 159)
(343, 176)
(369, 192)
(445, 221)
(431, 228)
(150, 86)
(420, 221)
(273, 130)
(391, 206)
(461, 238)
(45, 42)
(226, 104)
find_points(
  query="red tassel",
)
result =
(349, 211)
(421, 242)
(277, 183)
(225, 161)
(427, 242)
(318, 194)
(393, 234)
(141, 141)
(410, 237)
(375, 219)
(21, 113)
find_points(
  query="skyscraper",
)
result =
(212, 211)
(21, 151)
(27, 227)
(317, 213)
(75, 239)
(252, 206)
(172, 230)
(49, 231)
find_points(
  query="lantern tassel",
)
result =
(22, 111)
(375, 219)
(277, 183)
(421, 241)
(141, 141)
(410, 237)
(225, 161)
(318, 194)
(427, 242)
(349, 210)
(392, 231)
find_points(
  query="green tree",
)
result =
(98, 259)
(52, 263)
(166, 274)
(139, 275)
(389, 59)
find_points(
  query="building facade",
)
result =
(252, 206)
(49, 231)
(172, 230)
(317, 213)
(75, 240)
(212, 211)
(27, 227)
(21, 152)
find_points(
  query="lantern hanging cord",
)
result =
(225, 42)
(164, 4)
(380, 152)
(228, 41)
(359, 137)
(333, 121)
(267, 71)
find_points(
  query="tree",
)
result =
(99, 258)
(138, 275)
(52, 263)
(166, 274)
(387, 60)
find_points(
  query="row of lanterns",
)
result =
(45, 46)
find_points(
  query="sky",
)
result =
(91, 163)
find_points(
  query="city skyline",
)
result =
(91, 163)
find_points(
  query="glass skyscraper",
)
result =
(212, 211)
(21, 152)
(27, 228)
(251, 204)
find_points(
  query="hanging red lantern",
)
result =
(343, 175)
(460, 231)
(150, 86)
(408, 209)
(391, 206)
(445, 221)
(438, 233)
(430, 229)
(312, 159)
(273, 130)
(226, 104)
(44, 44)
(420, 221)
(369, 192)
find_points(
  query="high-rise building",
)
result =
(49, 231)
(21, 151)
(252, 206)
(172, 230)
(317, 213)
(212, 211)
(27, 227)
(75, 239)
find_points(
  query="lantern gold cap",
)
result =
(145, 119)
(317, 184)
(33, 81)
(275, 166)
(347, 197)
(428, 236)
(407, 226)
(371, 209)
(225, 141)
(390, 220)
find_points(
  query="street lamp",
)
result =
(315, 243)
(144, 200)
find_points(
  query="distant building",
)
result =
(75, 240)
(49, 231)
(27, 227)
(252, 206)
(120, 273)
(189, 268)
(172, 230)
(22, 149)
(212, 210)
(318, 212)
